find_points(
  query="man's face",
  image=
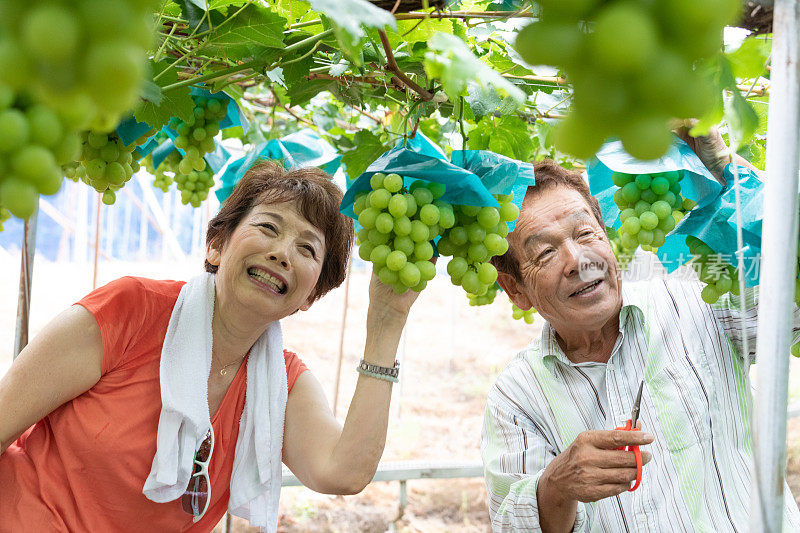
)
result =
(569, 272)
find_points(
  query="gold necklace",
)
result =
(224, 370)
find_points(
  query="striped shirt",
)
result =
(696, 403)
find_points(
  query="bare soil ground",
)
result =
(450, 357)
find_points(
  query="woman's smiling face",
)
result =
(271, 263)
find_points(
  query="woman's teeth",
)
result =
(265, 278)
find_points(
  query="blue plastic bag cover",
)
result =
(462, 186)
(423, 145)
(233, 117)
(217, 159)
(498, 173)
(161, 152)
(751, 198)
(698, 183)
(300, 149)
(130, 129)
(146, 148)
(715, 225)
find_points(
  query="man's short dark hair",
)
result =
(549, 174)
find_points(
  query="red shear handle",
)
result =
(636, 453)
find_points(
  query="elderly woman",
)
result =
(158, 405)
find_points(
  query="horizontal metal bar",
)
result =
(405, 470)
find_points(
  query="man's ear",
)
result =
(213, 255)
(514, 290)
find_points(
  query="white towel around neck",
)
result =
(184, 419)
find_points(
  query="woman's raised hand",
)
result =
(384, 301)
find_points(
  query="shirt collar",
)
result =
(633, 301)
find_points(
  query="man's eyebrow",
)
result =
(577, 216)
(307, 233)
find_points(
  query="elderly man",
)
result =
(549, 449)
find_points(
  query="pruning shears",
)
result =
(630, 425)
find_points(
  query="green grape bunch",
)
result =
(719, 277)
(87, 58)
(524, 314)
(479, 233)
(195, 185)
(399, 225)
(623, 254)
(107, 163)
(651, 205)
(4, 215)
(632, 65)
(35, 141)
(196, 136)
(486, 298)
(169, 164)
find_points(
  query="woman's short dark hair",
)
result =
(549, 174)
(318, 200)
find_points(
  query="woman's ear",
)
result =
(514, 290)
(213, 255)
(307, 304)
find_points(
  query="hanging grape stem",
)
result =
(391, 65)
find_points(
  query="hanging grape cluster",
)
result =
(718, 276)
(524, 314)
(398, 227)
(486, 298)
(651, 205)
(623, 254)
(196, 136)
(34, 142)
(195, 185)
(4, 215)
(169, 164)
(86, 59)
(107, 163)
(632, 66)
(478, 234)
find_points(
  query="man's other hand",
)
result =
(711, 148)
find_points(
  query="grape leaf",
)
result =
(368, 148)
(741, 117)
(451, 61)
(275, 76)
(174, 103)
(252, 31)
(151, 92)
(484, 100)
(197, 14)
(414, 31)
(508, 136)
(749, 60)
(349, 15)
(291, 10)
(301, 93)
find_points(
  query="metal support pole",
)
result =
(25, 278)
(341, 335)
(97, 227)
(779, 246)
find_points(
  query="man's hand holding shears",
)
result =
(598, 464)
